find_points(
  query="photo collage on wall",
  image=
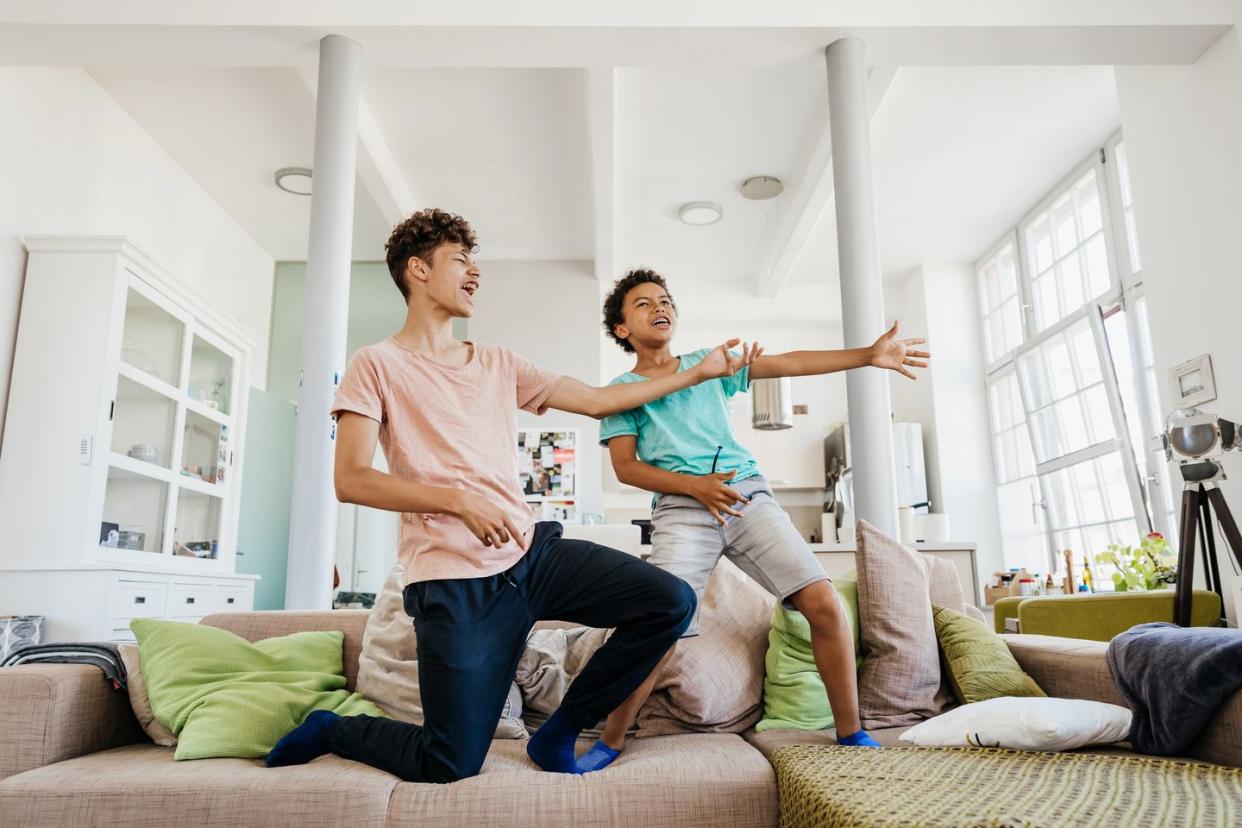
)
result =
(547, 471)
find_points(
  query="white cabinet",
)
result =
(122, 453)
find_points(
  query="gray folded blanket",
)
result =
(103, 655)
(1174, 679)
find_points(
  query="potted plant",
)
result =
(1150, 565)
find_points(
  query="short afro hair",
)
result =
(616, 299)
(420, 235)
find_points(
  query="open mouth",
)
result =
(661, 322)
(469, 288)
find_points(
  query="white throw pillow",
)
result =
(1024, 724)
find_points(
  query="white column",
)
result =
(312, 516)
(862, 296)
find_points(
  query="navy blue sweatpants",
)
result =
(472, 631)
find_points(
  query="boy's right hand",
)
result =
(485, 520)
(711, 491)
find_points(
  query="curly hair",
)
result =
(616, 298)
(420, 235)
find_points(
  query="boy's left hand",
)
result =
(722, 363)
(894, 354)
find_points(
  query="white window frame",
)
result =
(1123, 289)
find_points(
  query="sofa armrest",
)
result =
(1073, 668)
(1067, 668)
(53, 712)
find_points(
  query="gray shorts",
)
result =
(687, 542)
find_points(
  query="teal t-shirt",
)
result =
(682, 432)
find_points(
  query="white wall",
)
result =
(73, 162)
(960, 444)
(549, 313)
(1183, 131)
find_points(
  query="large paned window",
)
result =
(1071, 380)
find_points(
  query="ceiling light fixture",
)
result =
(762, 187)
(700, 212)
(296, 180)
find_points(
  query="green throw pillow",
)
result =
(222, 695)
(793, 693)
(979, 665)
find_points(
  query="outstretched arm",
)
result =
(886, 352)
(710, 489)
(580, 398)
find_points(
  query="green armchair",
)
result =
(1101, 615)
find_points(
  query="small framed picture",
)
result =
(1193, 382)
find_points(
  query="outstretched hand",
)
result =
(895, 354)
(721, 362)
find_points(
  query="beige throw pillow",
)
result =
(137, 689)
(900, 681)
(388, 664)
(714, 681)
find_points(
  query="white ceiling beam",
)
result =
(635, 13)
(602, 115)
(377, 167)
(811, 196)
(1179, 38)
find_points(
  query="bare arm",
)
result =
(358, 482)
(580, 398)
(887, 352)
(710, 490)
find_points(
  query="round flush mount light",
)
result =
(296, 180)
(700, 212)
(762, 187)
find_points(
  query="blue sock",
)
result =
(860, 739)
(304, 742)
(552, 746)
(598, 757)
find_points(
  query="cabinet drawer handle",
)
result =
(189, 600)
(140, 599)
(232, 600)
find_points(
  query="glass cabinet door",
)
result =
(151, 340)
(211, 376)
(133, 512)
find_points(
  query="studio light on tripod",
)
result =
(1197, 440)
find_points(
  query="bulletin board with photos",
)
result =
(548, 471)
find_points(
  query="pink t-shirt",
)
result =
(452, 427)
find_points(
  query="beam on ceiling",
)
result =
(377, 166)
(811, 196)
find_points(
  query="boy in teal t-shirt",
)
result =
(711, 498)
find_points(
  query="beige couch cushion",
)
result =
(682, 781)
(136, 687)
(141, 785)
(388, 663)
(900, 682)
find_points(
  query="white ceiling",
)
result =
(571, 131)
(507, 148)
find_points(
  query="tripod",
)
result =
(1199, 499)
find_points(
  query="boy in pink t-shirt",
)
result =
(480, 571)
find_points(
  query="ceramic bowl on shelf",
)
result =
(145, 452)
